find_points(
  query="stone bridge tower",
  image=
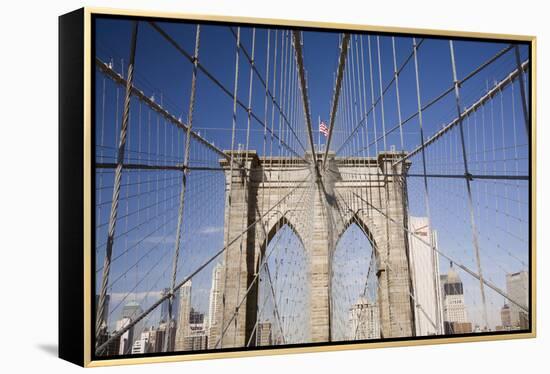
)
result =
(358, 190)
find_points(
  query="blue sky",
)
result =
(495, 141)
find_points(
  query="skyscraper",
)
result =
(264, 336)
(215, 306)
(455, 310)
(197, 341)
(425, 277)
(164, 306)
(126, 339)
(131, 310)
(364, 320)
(113, 348)
(456, 319)
(215, 294)
(183, 319)
(506, 317)
(156, 338)
(141, 345)
(197, 338)
(165, 337)
(517, 288)
(196, 320)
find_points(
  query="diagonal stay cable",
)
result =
(275, 306)
(375, 103)
(272, 293)
(431, 102)
(218, 83)
(377, 251)
(374, 246)
(471, 109)
(443, 254)
(262, 81)
(119, 333)
(438, 97)
(117, 78)
(249, 288)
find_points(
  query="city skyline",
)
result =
(363, 315)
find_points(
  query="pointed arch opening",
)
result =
(354, 284)
(283, 294)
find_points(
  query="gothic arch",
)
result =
(365, 228)
(276, 227)
(297, 253)
(354, 257)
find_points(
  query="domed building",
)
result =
(454, 310)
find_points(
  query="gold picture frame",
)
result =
(76, 185)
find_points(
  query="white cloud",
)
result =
(211, 230)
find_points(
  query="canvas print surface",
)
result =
(260, 186)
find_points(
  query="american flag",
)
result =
(323, 128)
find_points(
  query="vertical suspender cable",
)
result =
(381, 91)
(168, 335)
(424, 168)
(522, 91)
(469, 187)
(117, 180)
(229, 188)
(396, 77)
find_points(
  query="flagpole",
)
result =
(318, 136)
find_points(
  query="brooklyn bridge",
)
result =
(260, 186)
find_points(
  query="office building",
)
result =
(364, 320)
(264, 334)
(141, 345)
(424, 261)
(454, 306)
(126, 339)
(214, 308)
(506, 317)
(183, 319)
(517, 288)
